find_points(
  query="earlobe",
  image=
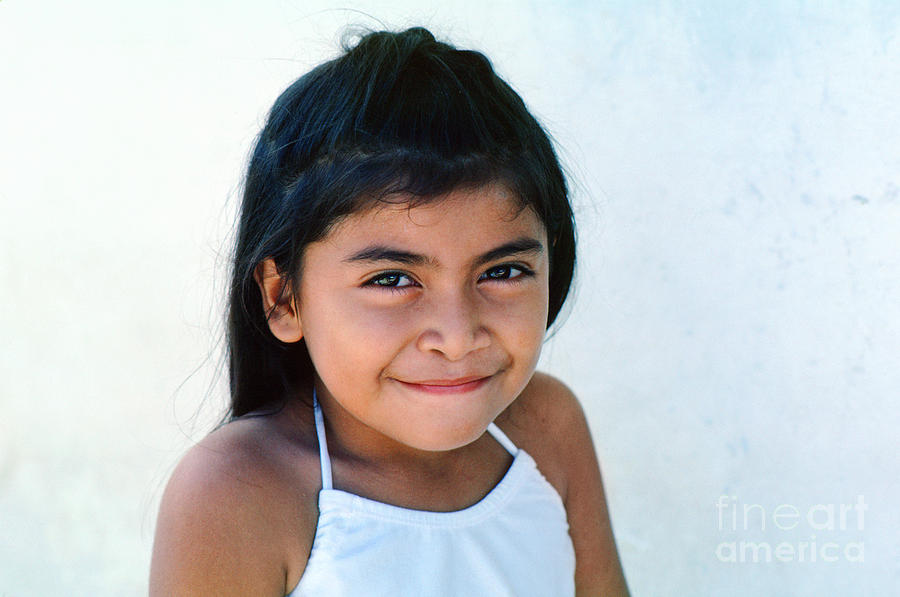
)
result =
(282, 314)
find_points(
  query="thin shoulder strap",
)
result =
(502, 439)
(324, 458)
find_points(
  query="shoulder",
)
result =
(228, 521)
(547, 421)
(552, 400)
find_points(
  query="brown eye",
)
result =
(506, 272)
(391, 280)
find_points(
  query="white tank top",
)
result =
(513, 543)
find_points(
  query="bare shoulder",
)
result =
(548, 422)
(545, 420)
(228, 522)
(552, 400)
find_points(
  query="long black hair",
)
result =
(396, 114)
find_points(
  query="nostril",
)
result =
(454, 344)
(452, 323)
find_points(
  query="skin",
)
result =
(424, 325)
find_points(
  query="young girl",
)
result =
(405, 241)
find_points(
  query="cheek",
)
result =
(378, 327)
(520, 324)
(346, 335)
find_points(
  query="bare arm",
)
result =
(554, 430)
(598, 569)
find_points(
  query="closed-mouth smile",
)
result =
(448, 386)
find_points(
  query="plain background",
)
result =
(736, 324)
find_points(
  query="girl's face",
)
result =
(424, 323)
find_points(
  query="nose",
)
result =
(453, 326)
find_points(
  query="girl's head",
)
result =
(397, 119)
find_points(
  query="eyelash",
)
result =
(524, 272)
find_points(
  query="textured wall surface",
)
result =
(735, 329)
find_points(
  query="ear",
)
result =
(278, 302)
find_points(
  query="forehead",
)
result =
(478, 214)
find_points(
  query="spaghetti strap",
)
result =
(502, 439)
(324, 458)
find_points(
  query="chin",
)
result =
(445, 440)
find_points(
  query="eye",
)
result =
(391, 280)
(506, 272)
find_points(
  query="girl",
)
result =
(405, 240)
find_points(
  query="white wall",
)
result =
(737, 314)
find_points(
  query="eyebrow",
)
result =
(379, 253)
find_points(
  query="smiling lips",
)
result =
(448, 386)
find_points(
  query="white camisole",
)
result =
(512, 543)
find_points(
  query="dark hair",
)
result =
(397, 114)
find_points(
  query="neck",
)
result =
(352, 440)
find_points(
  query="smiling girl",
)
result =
(405, 240)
